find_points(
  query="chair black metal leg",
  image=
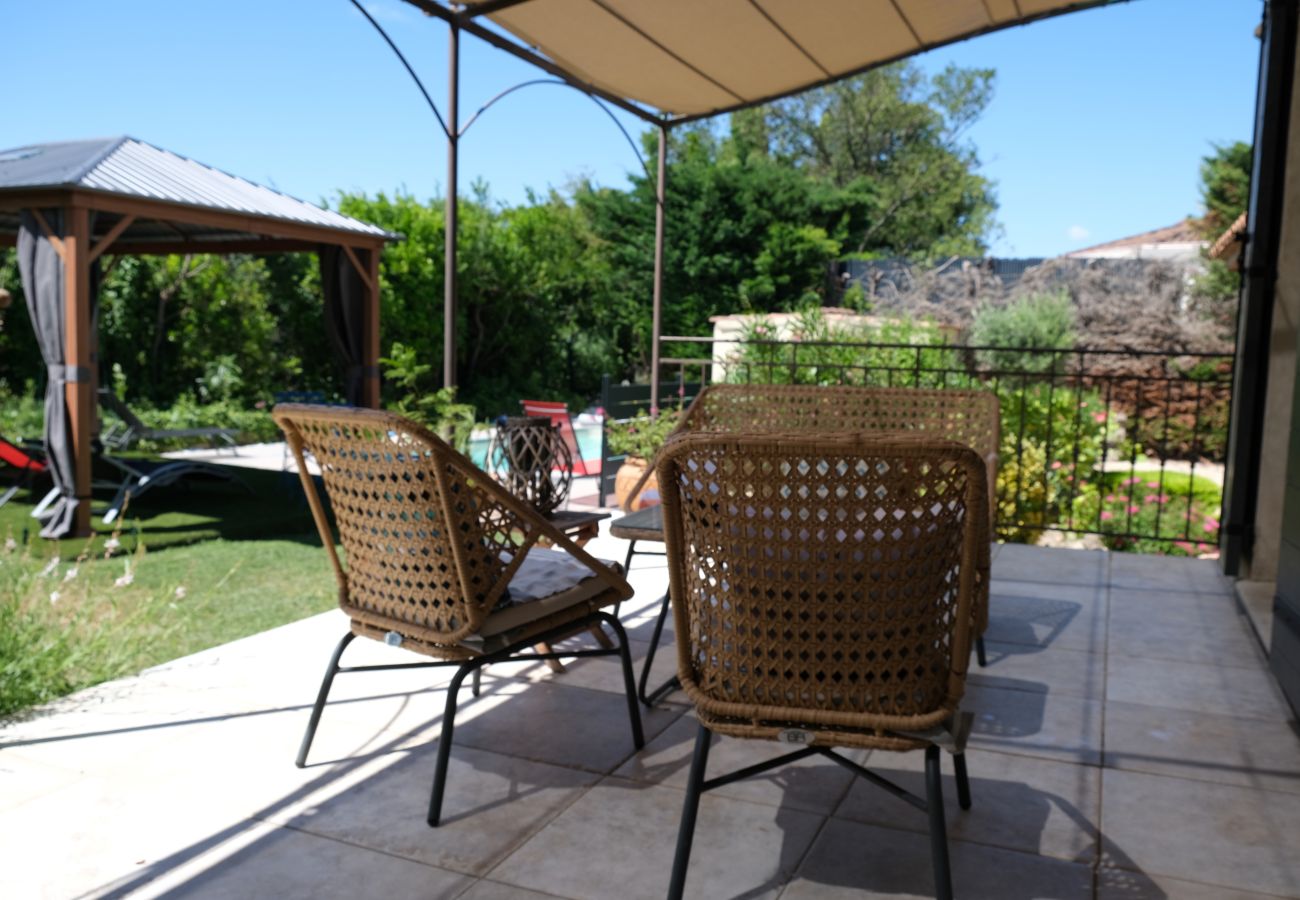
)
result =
(691, 806)
(629, 686)
(444, 742)
(478, 680)
(321, 696)
(627, 564)
(963, 780)
(671, 684)
(938, 830)
(979, 651)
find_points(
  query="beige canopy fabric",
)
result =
(695, 58)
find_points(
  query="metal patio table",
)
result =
(647, 525)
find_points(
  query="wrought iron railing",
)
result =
(1128, 445)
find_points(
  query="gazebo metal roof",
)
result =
(189, 206)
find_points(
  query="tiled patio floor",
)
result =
(1129, 743)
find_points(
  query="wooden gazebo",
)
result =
(64, 205)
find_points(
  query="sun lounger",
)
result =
(130, 430)
(132, 477)
(30, 464)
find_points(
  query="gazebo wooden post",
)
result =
(77, 342)
(370, 391)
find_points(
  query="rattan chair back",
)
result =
(965, 416)
(431, 540)
(969, 417)
(823, 582)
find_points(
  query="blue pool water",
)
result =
(588, 443)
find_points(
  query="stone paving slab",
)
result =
(1128, 742)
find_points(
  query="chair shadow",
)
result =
(883, 848)
(1020, 625)
(1019, 719)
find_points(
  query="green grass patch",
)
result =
(185, 512)
(190, 568)
(68, 624)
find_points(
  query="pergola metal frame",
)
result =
(468, 18)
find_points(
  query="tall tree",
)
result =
(899, 137)
(1225, 186)
(1225, 193)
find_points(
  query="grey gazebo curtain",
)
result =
(42, 272)
(345, 310)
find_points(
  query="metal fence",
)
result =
(1125, 444)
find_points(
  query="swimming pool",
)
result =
(588, 436)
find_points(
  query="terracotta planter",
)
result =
(626, 478)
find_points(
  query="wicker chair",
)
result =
(823, 591)
(441, 560)
(969, 417)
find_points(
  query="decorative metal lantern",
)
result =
(531, 459)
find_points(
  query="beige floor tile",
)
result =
(1017, 803)
(562, 725)
(1216, 645)
(292, 865)
(601, 673)
(101, 738)
(495, 890)
(618, 841)
(1209, 833)
(1218, 690)
(1118, 884)
(1174, 573)
(1173, 607)
(23, 779)
(1049, 565)
(1048, 616)
(814, 785)
(1059, 673)
(492, 804)
(1256, 753)
(99, 833)
(852, 861)
(1032, 723)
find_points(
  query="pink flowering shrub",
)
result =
(1176, 515)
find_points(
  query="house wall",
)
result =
(1277, 446)
(1278, 514)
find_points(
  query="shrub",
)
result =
(22, 413)
(641, 435)
(1050, 444)
(819, 352)
(1036, 321)
(1181, 510)
(188, 411)
(419, 402)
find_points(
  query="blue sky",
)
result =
(1095, 132)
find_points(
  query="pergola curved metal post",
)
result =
(678, 61)
(65, 205)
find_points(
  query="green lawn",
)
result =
(186, 512)
(195, 568)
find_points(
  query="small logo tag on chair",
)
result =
(795, 736)
(393, 639)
